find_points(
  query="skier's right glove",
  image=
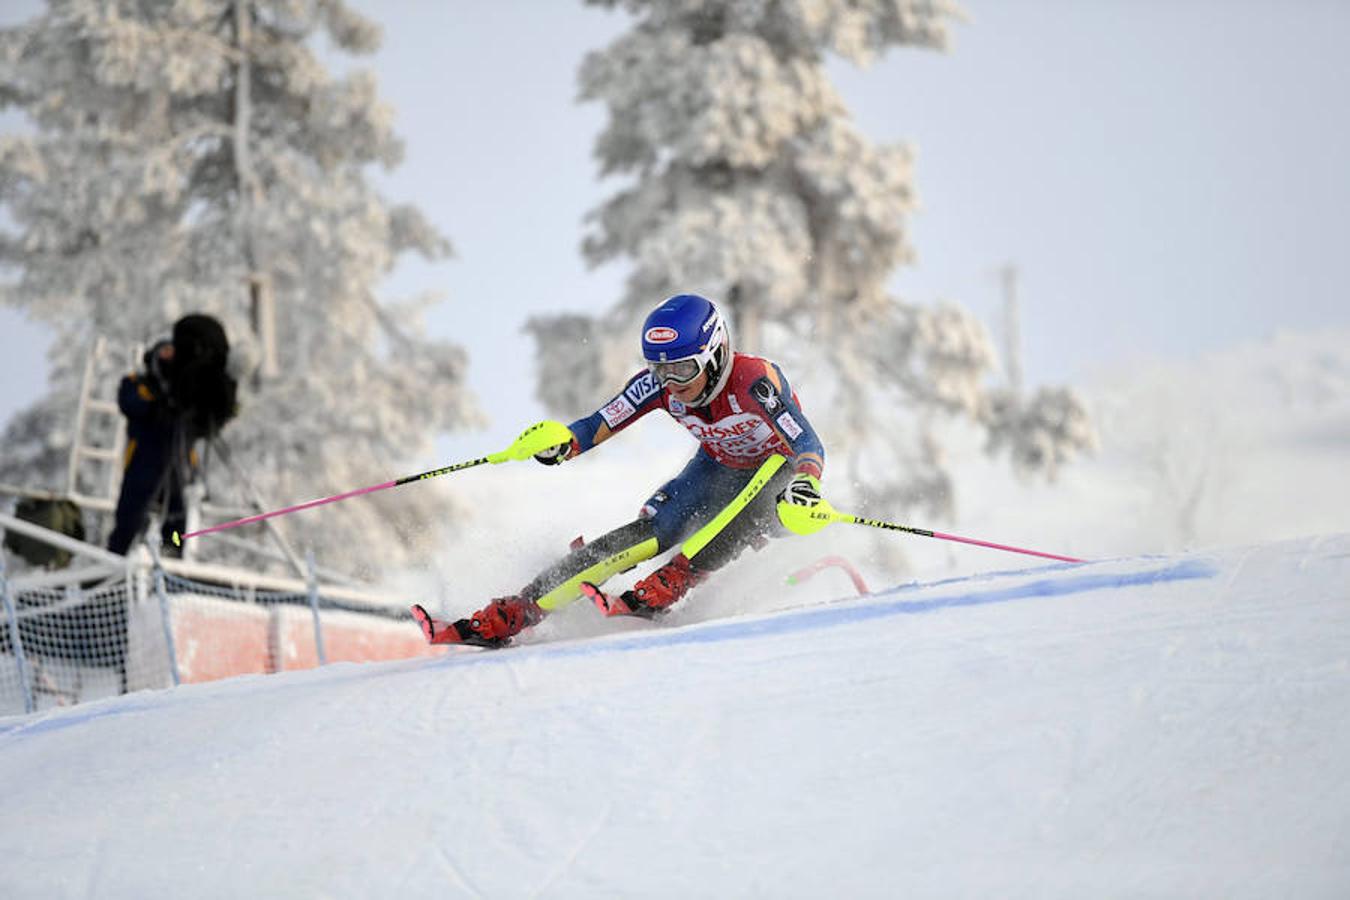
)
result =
(559, 454)
(802, 490)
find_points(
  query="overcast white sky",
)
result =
(1169, 178)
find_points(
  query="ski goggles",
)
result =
(679, 371)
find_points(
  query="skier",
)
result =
(742, 411)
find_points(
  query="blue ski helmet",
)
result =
(684, 336)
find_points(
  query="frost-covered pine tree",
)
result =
(749, 182)
(196, 156)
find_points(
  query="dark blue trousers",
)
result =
(149, 472)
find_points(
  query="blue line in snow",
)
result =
(876, 606)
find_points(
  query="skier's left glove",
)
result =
(802, 490)
(559, 454)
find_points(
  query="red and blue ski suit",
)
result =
(755, 415)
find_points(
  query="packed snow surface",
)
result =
(1164, 726)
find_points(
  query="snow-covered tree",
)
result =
(196, 156)
(749, 182)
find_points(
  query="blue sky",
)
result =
(1169, 178)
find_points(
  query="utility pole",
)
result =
(262, 315)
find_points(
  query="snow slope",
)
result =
(1165, 726)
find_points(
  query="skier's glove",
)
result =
(559, 454)
(802, 490)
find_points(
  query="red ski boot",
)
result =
(492, 626)
(652, 595)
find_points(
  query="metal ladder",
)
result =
(98, 436)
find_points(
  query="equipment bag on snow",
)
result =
(61, 516)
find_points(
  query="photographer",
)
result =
(184, 394)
